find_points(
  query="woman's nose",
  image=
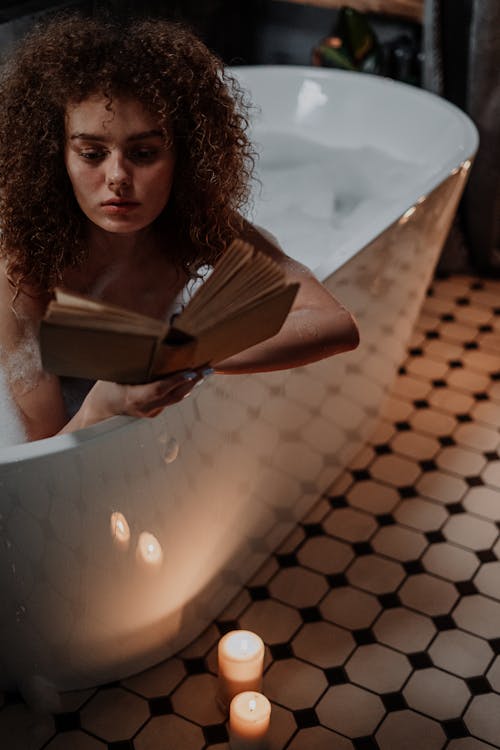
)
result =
(117, 177)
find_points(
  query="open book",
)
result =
(244, 301)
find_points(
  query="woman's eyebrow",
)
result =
(134, 137)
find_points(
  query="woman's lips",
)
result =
(120, 207)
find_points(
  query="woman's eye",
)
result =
(92, 155)
(143, 154)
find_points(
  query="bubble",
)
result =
(171, 451)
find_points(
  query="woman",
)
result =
(124, 164)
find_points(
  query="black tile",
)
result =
(486, 555)
(448, 318)
(287, 561)
(485, 328)
(466, 588)
(67, 722)
(389, 601)
(435, 537)
(474, 481)
(446, 441)
(420, 660)
(470, 345)
(215, 734)
(413, 567)
(481, 396)
(428, 465)
(462, 301)
(362, 548)
(455, 363)
(385, 519)
(195, 666)
(463, 418)
(281, 651)
(160, 706)
(225, 626)
(402, 371)
(421, 403)
(312, 529)
(394, 701)
(476, 285)
(110, 685)
(337, 580)
(359, 475)
(338, 501)
(121, 745)
(432, 335)
(444, 622)
(258, 593)
(439, 383)
(408, 491)
(382, 449)
(416, 351)
(363, 636)
(305, 717)
(496, 311)
(336, 675)
(478, 685)
(454, 728)
(491, 455)
(365, 743)
(310, 614)
(495, 645)
(495, 375)
(402, 426)
(454, 508)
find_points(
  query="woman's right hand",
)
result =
(107, 399)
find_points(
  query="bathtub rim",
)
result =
(351, 243)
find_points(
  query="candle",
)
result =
(240, 658)
(249, 717)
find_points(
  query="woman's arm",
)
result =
(317, 326)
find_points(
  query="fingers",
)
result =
(150, 399)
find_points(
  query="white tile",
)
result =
(487, 412)
(421, 514)
(114, 714)
(441, 486)
(373, 497)
(461, 653)
(428, 594)
(350, 710)
(487, 579)
(464, 379)
(159, 680)
(273, 621)
(395, 470)
(491, 473)
(24, 729)
(494, 675)
(478, 437)
(375, 574)
(196, 699)
(433, 422)
(326, 555)
(483, 501)
(75, 741)
(298, 587)
(319, 738)
(436, 693)
(483, 717)
(350, 607)
(378, 668)
(450, 561)
(404, 630)
(399, 543)
(407, 730)
(470, 531)
(460, 461)
(414, 445)
(180, 733)
(451, 401)
(478, 615)
(294, 684)
(323, 644)
(350, 524)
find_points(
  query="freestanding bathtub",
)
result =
(119, 543)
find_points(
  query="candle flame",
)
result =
(252, 704)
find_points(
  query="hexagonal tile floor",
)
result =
(381, 611)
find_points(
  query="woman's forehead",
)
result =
(104, 114)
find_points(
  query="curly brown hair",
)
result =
(172, 73)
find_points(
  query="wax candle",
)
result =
(240, 659)
(249, 717)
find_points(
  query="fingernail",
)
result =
(207, 371)
(189, 375)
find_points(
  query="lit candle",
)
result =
(240, 660)
(149, 552)
(249, 717)
(120, 531)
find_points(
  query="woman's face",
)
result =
(118, 162)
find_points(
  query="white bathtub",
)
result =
(119, 543)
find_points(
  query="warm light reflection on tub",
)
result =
(120, 530)
(149, 551)
(407, 215)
